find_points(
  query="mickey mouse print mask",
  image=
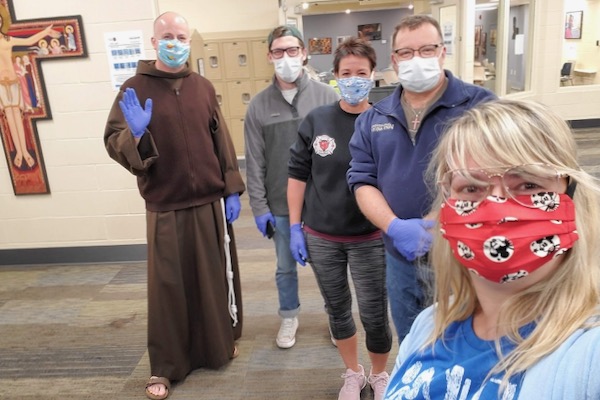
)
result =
(502, 240)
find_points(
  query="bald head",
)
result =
(169, 27)
(169, 21)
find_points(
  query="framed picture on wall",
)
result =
(340, 39)
(369, 31)
(319, 46)
(483, 44)
(292, 21)
(573, 24)
(478, 29)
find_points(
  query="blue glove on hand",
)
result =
(298, 244)
(261, 222)
(232, 207)
(410, 236)
(136, 117)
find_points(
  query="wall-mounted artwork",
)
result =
(370, 31)
(319, 46)
(493, 34)
(483, 44)
(340, 39)
(478, 29)
(24, 45)
(573, 24)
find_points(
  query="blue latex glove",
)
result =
(410, 236)
(261, 222)
(136, 117)
(232, 207)
(298, 244)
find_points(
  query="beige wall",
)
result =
(573, 102)
(94, 201)
(225, 15)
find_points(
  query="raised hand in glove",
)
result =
(298, 244)
(261, 222)
(410, 236)
(232, 207)
(137, 118)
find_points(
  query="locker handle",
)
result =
(242, 59)
(246, 98)
(214, 61)
(219, 99)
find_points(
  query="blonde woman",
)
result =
(517, 265)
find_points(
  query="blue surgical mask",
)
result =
(354, 89)
(173, 53)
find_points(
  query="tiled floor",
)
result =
(79, 331)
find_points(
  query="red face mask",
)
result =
(502, 240)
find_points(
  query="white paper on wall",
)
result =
(519, 44)
(124, 50)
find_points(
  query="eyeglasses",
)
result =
(474, 185)
(427, 51)
(291, 51)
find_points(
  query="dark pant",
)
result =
(408, 284)
(366, 261)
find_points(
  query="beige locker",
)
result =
(261, 66)
(261, 84)
(239, 94)
(236, 129)
(213, 61)
(221, 97)
(237, 62)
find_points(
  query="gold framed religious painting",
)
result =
(27, 44)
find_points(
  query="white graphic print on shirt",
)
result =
(417, 385)
(324, 145)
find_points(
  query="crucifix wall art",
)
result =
(24, 45)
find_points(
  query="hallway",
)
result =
(79, 331)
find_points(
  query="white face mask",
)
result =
(419, 74)
(288, 68)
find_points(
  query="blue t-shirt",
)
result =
(454, 369)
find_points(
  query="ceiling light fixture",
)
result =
(348, 11)
(305, 5)
(410, 6)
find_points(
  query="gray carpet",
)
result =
(79, 331)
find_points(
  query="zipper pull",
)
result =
(177, 91)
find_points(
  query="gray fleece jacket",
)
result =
(270, 129)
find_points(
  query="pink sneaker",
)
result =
(354, 383)
(378, 383)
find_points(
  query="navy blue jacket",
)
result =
(384, 156)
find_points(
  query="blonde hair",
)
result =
(508, 132)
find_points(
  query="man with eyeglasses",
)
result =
(390, 149)
(270, 128)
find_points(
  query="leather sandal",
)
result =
(155, 380)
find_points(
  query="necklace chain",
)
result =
(416, 112)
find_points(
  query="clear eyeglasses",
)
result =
(427, 51)
(291, 51)
(519, 182)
